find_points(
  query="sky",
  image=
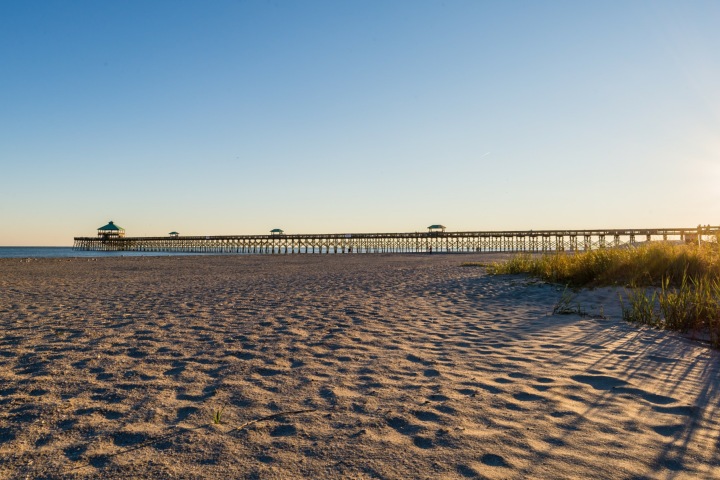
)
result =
(237, 117)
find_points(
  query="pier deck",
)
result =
(417, 242)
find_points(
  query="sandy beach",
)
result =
(338, 366)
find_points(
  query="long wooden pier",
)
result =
(417, 242)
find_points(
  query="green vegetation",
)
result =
(694, 307)
(217, 416)
(675, 287)
(565, 306)
(647, 265)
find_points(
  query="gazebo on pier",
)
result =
(111, 231)
(436, 229)
(174, 234)
(277, 231)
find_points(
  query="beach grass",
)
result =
(649, 264)
(693, 307)
(217, 415)
(566, 305)
(669, 286)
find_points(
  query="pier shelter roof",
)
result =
(111, 230)
(437, 227)
(173, 234)
(276, 231)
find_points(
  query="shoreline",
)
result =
(70, 253)
(413, 367)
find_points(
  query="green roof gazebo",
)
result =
(276, 231)
(436, 228)
(111, 230)
(174, 234)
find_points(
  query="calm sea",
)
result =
(68, 252)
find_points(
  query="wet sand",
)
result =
(390, 366)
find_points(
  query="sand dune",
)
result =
(405, 367)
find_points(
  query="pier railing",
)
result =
(417, 242)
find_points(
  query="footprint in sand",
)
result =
(489, 388)
(467, 391)
(599, 382)
(401, 425)
(6, 435)
(561, 414)
(285, 430)
(107, 396)
(446, 409)
(437, 397)
(467, 472)
(329, 395)
(423, 442)
(42, 441)
(111, 414)
(415, 359)
(555, 441)
(184, 412)
(243, 355)
(269, 372)
(493, 460)
(661, 359)
(527, 397)
(75, 452)
(426, 416)
(668, 430)
(69, 423)
(128, 439)
(5, 394)
(502, 380)
(514, 407)
(647, 396)
(671, 464)
(542, 388)
(616, 385)
(686, 410)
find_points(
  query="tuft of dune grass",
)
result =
(686, 277)
(645, 265)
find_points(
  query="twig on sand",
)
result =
(269, 417)
(180, 430)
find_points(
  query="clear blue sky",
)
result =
(236, 117)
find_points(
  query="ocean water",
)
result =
(68, 252)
